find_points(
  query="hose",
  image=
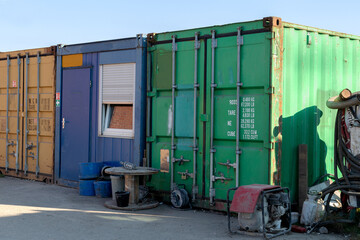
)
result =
(319, 180)
(336, 103)
(349, 183)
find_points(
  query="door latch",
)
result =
(181, 160)
(222, 178)
(185, 175)
(228, 164)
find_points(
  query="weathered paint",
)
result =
(108, 148)
(297, 68)
(275, 91)
(246, 197)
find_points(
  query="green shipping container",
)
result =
(229, 105)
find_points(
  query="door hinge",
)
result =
(151, 139)
(269, 145)
(270, 90)
(270, 35)
(90, 83)
(152, 93)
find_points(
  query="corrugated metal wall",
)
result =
(317, 65)
(27, 87)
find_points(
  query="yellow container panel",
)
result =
(46, 114)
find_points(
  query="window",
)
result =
(117, 100)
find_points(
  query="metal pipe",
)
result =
(238, 85)
(7, 113)
(204, 124)
(173, 146)
(37, 115)
(26, 112)
(196, 86)
(212, 150)
(148, 110)
(336, 103)
(18, 116)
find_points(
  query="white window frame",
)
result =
(112, 132)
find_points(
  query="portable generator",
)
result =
(262, 210)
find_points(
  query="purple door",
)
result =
(75, 121)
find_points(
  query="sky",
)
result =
(26, 24)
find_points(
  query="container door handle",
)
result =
(63, 123)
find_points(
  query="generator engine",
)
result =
(262, 208)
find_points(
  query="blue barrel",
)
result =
(112, 164)
(86, 187)
(90, 170)
(109, 164)
(102, 189)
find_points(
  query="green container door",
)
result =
(287, 73)
(177, 120)
(253, 116)
(215, 110)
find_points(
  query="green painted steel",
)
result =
(316, 66)
(287, 72)
(254, 111)
(254, 119)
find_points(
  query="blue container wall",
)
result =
(108, 148)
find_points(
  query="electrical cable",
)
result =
(346, 162)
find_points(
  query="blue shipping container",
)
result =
(100, 105)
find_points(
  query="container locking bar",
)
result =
(196, 86)
(18, 115)
(181, 160)
(38, 117)
(7, 113)
(185, 175)
(148, 109)
(228, 164)
(30, 146)
(32, 155)
(213, 85)
(239, 84)
(27, 62)
(222, 178)
(173, 146)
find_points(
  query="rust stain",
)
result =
(277, 29)
(151, 38)
(2, 125)
(220, 206)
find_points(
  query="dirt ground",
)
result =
(34, 210)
